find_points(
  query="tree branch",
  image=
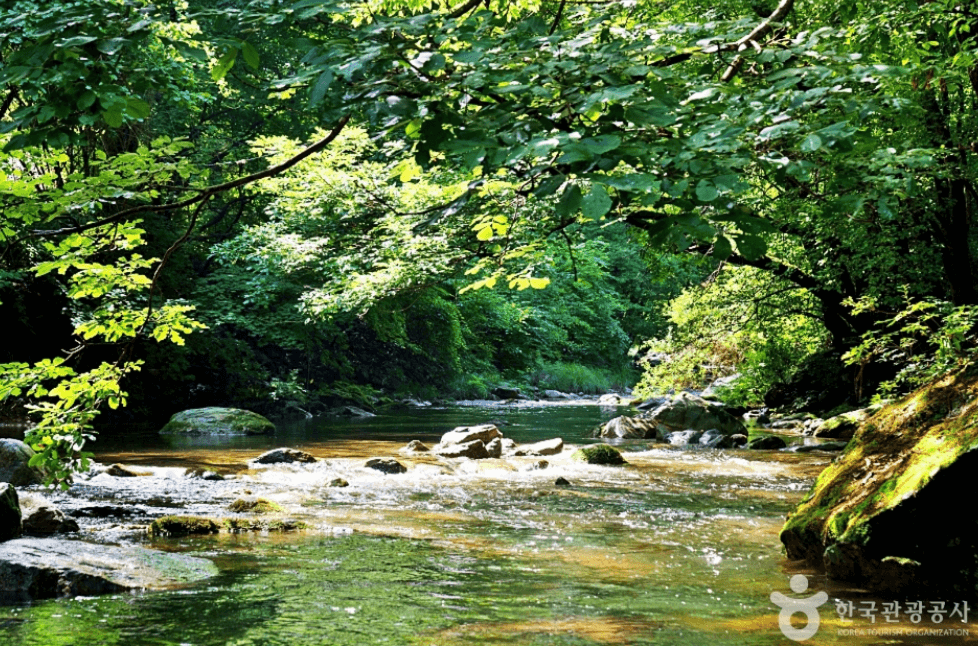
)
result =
(762, 30)
(204, 193)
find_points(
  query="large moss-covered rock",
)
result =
(10, 515)
(892, 512)
(217, 421)
(14, 456)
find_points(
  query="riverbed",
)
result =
(680, 546)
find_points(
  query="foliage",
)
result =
(926, 339)
(740, 322)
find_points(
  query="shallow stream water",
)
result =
(678, 547)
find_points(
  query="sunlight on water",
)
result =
(677, 547)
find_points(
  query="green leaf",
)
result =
(706, 191)
(319, 89)
(224, 64)
(250, 55)
(570, 201)
(722, 248)
(811, 143)
(113, 117)
(596, 203)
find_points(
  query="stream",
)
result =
(680, 546)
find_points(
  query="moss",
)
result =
(893, 456)
(599, 454)
(255, 506)
(182, 526)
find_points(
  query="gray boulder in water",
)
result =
(42, 518)
(217, 421)
(629, 428)
(40, 568)
(686, 412)
(14, 456)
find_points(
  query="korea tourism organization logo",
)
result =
(807, 606)
(877, 616)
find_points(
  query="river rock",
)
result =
(485, 433)
(122, 471)
(556, 394)
(757, 416)
(562, 482)
(415, 446)
(768, 442)
(599, 454)
(684, 438)
(652, 403)
(389, 466)
(474, 450)
(689, 412)
(284, 456)
(628, 427)
(610, 399)
(842, 427)
(883, 515)
(14, 456)
(714, 439)
(350, 411)
(495, 448)
(10, 514)
(218, 421)
(539, 449)
(42, 518)
(507, 393)
(40, 568)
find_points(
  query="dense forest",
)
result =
(286, 205)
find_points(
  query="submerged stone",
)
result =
(40, 568)
(599, 454)
(218, 421)
(880, 515)
(14, 456)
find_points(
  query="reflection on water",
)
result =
(678, 547)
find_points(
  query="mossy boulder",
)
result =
(882, 515)
(599, 454)
(10, 514)
(254, 506)
(217, 421)
(183, 526)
